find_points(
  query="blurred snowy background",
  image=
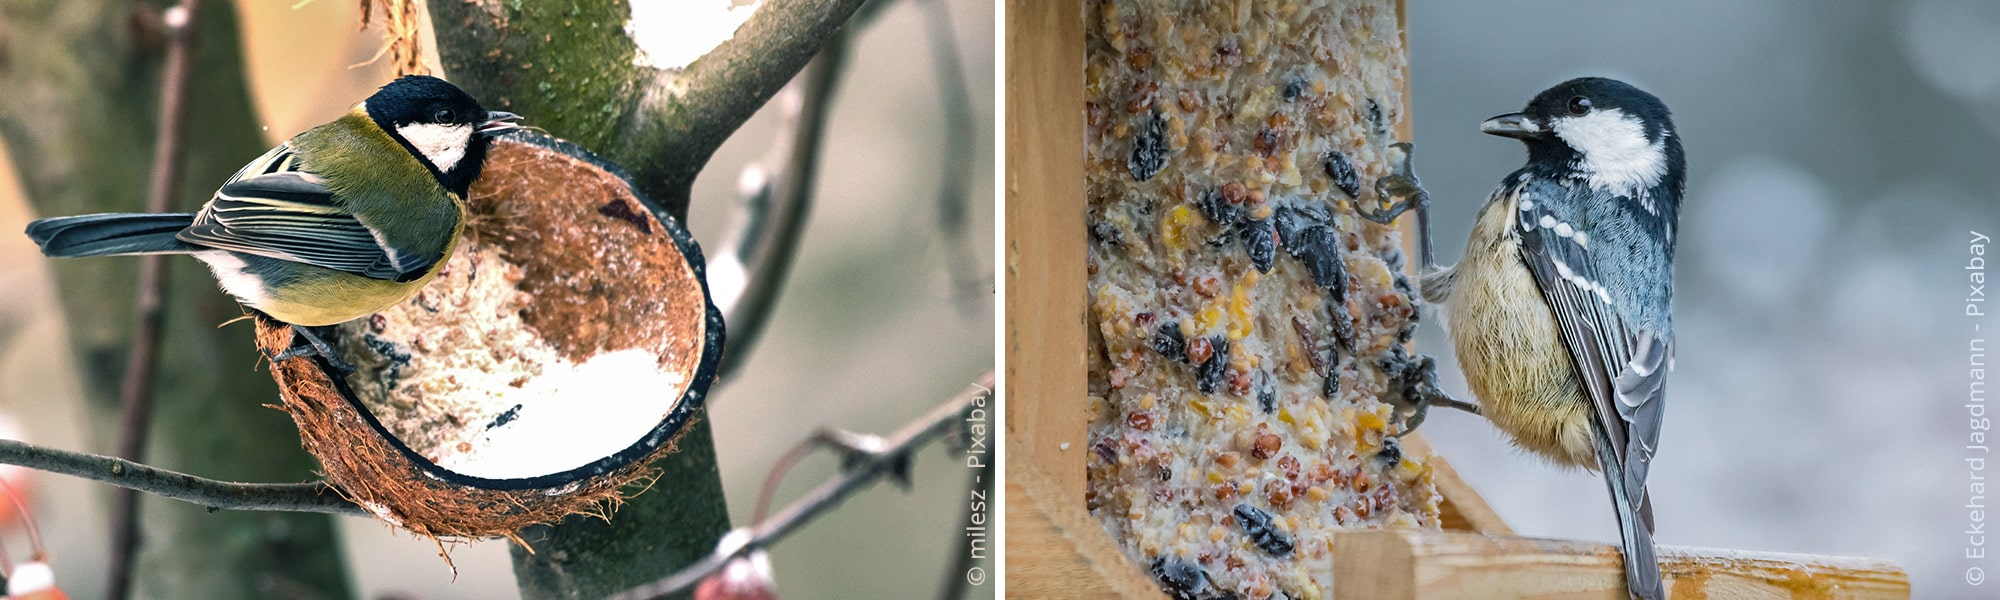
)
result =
(873, 329)
(1839, 154)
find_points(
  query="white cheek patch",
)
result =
(443, 145)
(1616, 155)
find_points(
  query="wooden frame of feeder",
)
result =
(1056, 549)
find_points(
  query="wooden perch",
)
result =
(1462, 508)
(1412, 563)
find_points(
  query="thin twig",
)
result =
(758, 253)
(785, 463)
(135, 395)
(316, 497)
(961, 135)
(897, 450)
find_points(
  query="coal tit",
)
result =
(1560, 310)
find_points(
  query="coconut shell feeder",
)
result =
(565, 345)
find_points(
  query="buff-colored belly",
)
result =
(1511, 351)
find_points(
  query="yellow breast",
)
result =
(337, 297)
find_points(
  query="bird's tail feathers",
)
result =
(1635, 526)
(111, 234)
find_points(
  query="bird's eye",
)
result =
(444, 115)
(1579, 105)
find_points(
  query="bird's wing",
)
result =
(272, 208)
(1622, 361)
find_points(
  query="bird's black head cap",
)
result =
(436, 122)
(1580, 96)
(1616, 136)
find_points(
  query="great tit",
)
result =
(340, 221)
(1560, 310)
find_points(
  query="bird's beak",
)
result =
(1516, 125)
(498, 122)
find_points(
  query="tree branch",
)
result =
(210, 493)
(583, 84)
(865, 469)
(749, 272)
(727, 85)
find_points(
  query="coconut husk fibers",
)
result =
(603, 270)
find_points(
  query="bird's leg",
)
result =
(1445, 400)
(1401, 185)
(314, 345)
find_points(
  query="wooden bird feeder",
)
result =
(1057, 548)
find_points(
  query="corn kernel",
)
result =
(1240, 321)
(1370, 420)
(1173, 229)
(1407, 469)
(1206, 320)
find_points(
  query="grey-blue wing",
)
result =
(1641, 390)
(1604, 275)
(1601, 279)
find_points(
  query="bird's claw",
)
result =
(314, 346)
(1419, 391)
(1401, 185)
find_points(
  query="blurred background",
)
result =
(1838, 155)
(873, 329)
